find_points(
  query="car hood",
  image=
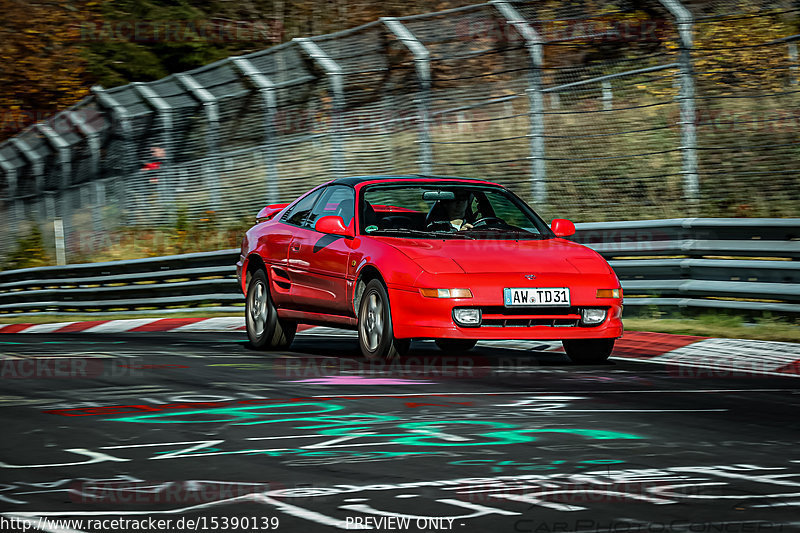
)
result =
(478, 257)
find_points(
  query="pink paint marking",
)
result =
(358, 380)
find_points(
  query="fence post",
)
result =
(93, 139)
(63, 211)
(535, 46)
(608, 96)
(793, 61)
(211, 107)
(123, 121)
(37, 164)
(16, 209)
(164, 112)
(422, 66)
(335, 78)
(685, 20)
(266, 90)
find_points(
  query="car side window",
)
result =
(298, 213)
(338, 200)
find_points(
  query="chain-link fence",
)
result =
(591, 110)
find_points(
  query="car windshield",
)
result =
(442, 210)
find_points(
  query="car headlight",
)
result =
(466, 316)
(446, 293)
(591, 316)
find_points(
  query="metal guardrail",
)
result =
(744, 264)
(154, 285)
(587, 109)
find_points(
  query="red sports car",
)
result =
(455, 260)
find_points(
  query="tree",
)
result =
(42, 68)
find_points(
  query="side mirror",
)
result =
(562, 227)
(269, 212)
(333, 225)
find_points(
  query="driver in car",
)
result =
(456, 211)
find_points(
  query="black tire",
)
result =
(589, 351)
(455, 345)
(375, 332)
(264, 329)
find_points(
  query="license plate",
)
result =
(515, 297)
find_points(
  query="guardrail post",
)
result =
(269, 101)
(335, 79)
(164, 112)
(685, 22)
(535, 46)
(63, 211)
(422, 66)
(122, 123)
(211, 108)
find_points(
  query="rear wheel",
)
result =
(264, 329)
(588, 351)
(375, 332)
(455, 345)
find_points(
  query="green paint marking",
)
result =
(429, 433)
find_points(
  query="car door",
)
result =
(318, 262)
(281, 237)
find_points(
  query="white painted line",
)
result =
(119, 326)
(46, 328)
(217, 324)
(715, 369)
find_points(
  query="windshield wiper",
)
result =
(409, 231)
(516, 232)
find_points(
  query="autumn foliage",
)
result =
(43, 67)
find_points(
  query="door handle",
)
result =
(295, 247)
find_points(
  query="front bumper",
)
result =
(417, 317)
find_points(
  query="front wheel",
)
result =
(588, 351)
(264, 329)
(375, 332)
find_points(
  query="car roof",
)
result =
(352, 181)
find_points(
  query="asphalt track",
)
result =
(201, 431)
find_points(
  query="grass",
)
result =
(723, 326)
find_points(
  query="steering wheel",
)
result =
(438, 225)
(486, 220)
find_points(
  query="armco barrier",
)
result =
(154, 285)
(746, 264)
